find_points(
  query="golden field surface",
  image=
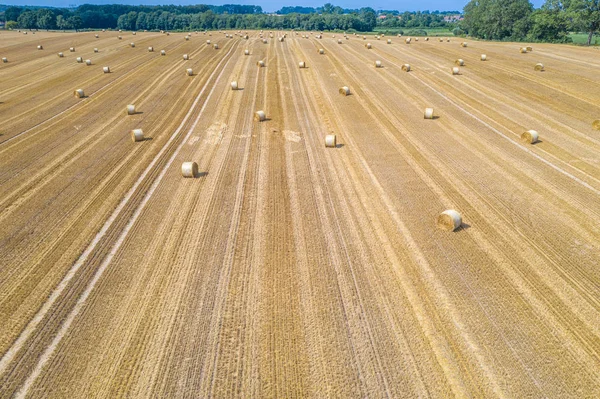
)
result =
(285, 268)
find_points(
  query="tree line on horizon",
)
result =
(514, 20)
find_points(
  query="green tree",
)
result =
(550, 23)
(11, 25)
(585, 13)
(27, 20)
(12, 13)
(45, 19)
(75, 22)
(497, 19)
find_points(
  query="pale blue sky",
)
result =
(272, 5)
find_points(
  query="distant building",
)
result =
(453, 18)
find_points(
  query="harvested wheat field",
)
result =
(192, 246)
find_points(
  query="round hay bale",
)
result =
(265, 41)
(523, 50)
(163, 52)
(133, 33)
(463, 44)
(406, 67)
(321, 51)
(186, 57)
(280, 39)
(530, 137)
(455, 71)
(260, 116)
(61, 55)
(187, 38)
(120, 37)
(426, 39)
(40, 47)
(189, 169)
(72, 49)
(407, 40)
(95, 49)
(483, 57)
(416, 39)
(330, 141)
(428, 113)
(234, 85)
(4, 60)
(131, 109)
(260, 64)
(460, 62)
(345, 91)
(246, 52)
(96, 36)
(88, 62)
(389, 41)
(339, 41)
(441, 40)
(150, 49)
(596, 124)
(106, 69)
(189, 72)
(539, 67)
(449, 220)
(79, 60)
(302, 64)
(369, 46)
(377, 64)
(79, 93)
(137, 135)
(216, 46)
(132, 44)
(529, 48)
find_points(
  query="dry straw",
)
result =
(95, 49)
(407, 40)
(246, 52)
(428, 113)
(523, 50)
(79, 60)
(260, 116)
(539, 67)
(79, 93)
(120, 37)
(460, 62)
(529, 48)
(234, 85)
(4, 60)
(61, 55)
(137, 135)
(40, 47)
(463, 44)
(369, 46)
(302, 64)
(483, 57)
(377, 64)
(130, 109)
(186, 57)
(189, 72)
(406, 67)
(132, 44)
(321, 51)
(389, 41)
(339, 41)
(88, 62)
(530, 137)
(260, 64)
(216, 46)
(449, 220)
(208, 42)
(72, 49)
(345, 91)
(163, 52)
(455, 71)
(106, 69)
(189, 169)
(596, 124)
(96, 36)
(330, 141)
(150, 49)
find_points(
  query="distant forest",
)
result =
(328, 17)
(515, 20)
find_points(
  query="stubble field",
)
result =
(285, 268)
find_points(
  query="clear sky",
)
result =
(273, 5)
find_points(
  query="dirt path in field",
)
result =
(287, 269)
